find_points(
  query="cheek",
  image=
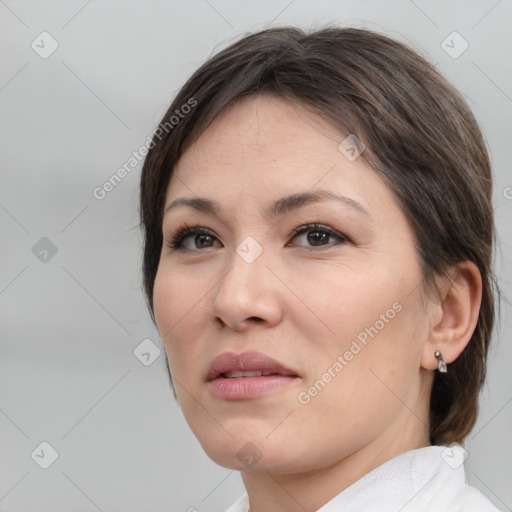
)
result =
(345, 301)
(178, 312)
(369, 318)
(164, 302)
(360, 379)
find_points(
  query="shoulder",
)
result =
(470, 499)
(240, 505)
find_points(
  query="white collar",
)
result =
(429, 479)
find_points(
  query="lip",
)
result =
(246, 361)
(241, 388)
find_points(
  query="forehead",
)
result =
(265, 127)
(264, 148)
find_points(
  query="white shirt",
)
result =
(429, 479)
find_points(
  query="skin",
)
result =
(302, 304)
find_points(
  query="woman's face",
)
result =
(338, 305)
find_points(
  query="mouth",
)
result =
(246, 375)
(253, 373)
(246, 364)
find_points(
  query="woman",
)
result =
(317, 258)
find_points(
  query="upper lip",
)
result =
(246, 361)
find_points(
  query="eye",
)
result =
(317, 235)
(192, 238)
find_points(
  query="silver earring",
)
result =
(441, 365)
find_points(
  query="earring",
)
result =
(441, 365)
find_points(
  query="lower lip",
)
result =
(243, 388)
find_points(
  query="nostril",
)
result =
(217, 322)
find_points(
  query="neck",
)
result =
(307, 492)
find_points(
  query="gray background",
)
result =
(70, 322)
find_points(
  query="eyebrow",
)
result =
(279, 207)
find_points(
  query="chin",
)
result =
(254, 454)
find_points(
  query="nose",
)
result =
(246, 296)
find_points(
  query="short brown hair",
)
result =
(421, 139)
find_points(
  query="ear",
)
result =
(453, 319)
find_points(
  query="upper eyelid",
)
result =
(311, 226)
(181, 234)
(303, 227)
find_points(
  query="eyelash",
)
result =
(185, 230)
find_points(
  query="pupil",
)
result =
(317, 240)
(201, 238)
